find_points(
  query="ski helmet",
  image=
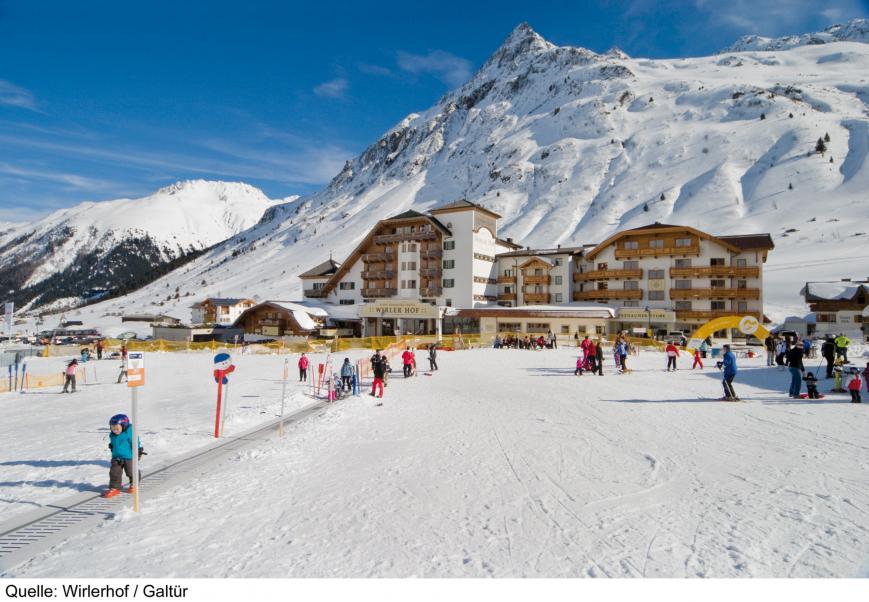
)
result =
(121, 419)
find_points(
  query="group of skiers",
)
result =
(549, 341)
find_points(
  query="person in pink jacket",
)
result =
(69, 374)
(587, 350)
(303, 368)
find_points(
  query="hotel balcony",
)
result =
(377, 257)
(431, 272)
(506, 279)
(314, 293)
(378, 274)
(431, 291)
(607, 294)
(379, 292)
(606, 275)
(714, 293)
(536, 279)
(535, 297)
(716, 313)
(723, 271)
(622, 253)
(432, 254)
(382, 239)
(506, 296)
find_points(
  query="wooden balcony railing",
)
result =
(431, 291)
(377, 257)
(606, 275)
(532, 279)
(622, 253)
(506, 279)
(314, 293)
(431, 272)
(607, 294)
(536, 297)
(506, 296)
(381, 239)
(432, 254)
(724, 271)
(379, 292)
(714, 293)
(378, 274)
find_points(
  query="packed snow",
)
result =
(502, 463)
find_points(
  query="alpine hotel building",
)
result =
(448, 270)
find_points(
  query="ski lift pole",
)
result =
(283, 397)
(225, 408)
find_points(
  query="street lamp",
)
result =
(649, 322)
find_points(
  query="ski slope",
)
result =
(500, 464)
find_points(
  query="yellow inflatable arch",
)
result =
(745, 325)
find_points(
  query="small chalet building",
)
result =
(537, 276)
(316, 278)
(222, 311)
(281, 318)
(839, 307)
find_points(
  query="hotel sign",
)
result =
(658, 315)
(399, 309)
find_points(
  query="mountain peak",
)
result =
(523, 39)
(855, 30)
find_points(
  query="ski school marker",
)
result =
(135, 379)
(222, 367)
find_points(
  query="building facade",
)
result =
(840, 308)
(221, 311)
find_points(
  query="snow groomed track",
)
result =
(23, 538)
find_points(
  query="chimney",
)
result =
(558, 246)
(509, 239)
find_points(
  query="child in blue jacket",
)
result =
(121, 444)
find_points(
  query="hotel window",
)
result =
(449, 264)
(602, 286)
(683, 263)
(631, 265)
(557, 279)
(844, 319)
(631, 285)
(742, 263)
(598, 329)
(718, 284)
(318, 285)
(682, 284)
(449, 302)
(408, 265)
(565, 329)
(742, 306)
(631, 244)
(826, 318)
(601, 266)
(408, 284)
(656, 244)
(632, 303)
(683, 306)
(538, 271)
(347, 286)
(450, 283)
(537, 327)
(449, 245)
(507, 289)
(411, 247)
(656, 295)
(683, 242)
(742, 284)
(346, 302)
(656, 274)
(508, 272)
(556, 262)
(717, 261)
(558, 298)
(718, 306)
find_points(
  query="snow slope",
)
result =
(173, 222)
(500, 464)
(570, 146)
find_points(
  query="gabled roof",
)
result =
(662, 228)
(534, 260)
(462, 205)
(533, 252)
(843, 290)
(410, 213)
(301, 313)
(220, 301)
(749, 241)
(327, 268)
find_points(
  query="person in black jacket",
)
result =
(769, 343)
(794, 361)
(598, 356)
(828, 351)
(433, 356)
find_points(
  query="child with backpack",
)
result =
(811, 385)
(121, 444)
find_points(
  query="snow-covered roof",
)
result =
(590, 311)
(294, 307)
(834, 291)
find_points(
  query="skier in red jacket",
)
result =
(409, 360)
(672, 353)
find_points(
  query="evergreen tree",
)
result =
(662, 196)
(827, 137)
(762, 116)
(820, 147)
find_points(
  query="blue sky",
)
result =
(107, 99)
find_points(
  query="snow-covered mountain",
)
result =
(570, 146)
(125, 243)
(856, 30)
